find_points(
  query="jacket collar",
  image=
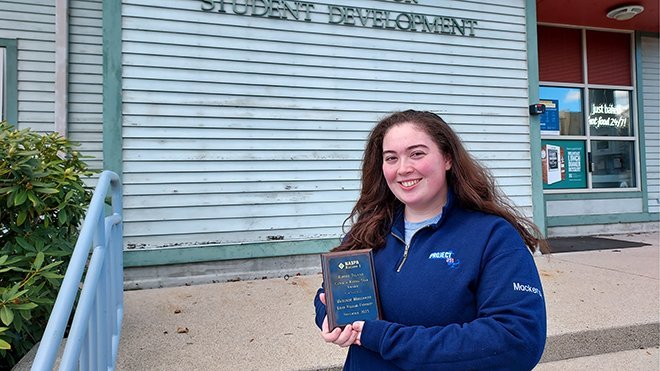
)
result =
(398, 226)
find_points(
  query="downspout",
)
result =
(61, 66)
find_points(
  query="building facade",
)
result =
(238, 126)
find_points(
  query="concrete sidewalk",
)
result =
(603, 313)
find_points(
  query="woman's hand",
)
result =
(343, 338)
(357, 327)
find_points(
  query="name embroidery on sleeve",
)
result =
(526, 288)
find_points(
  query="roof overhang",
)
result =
(593, 13)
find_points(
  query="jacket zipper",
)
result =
(405, 251)
(405, 256)
(406, 248)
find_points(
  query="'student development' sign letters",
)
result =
(345, 15)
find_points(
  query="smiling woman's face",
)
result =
(415, 170)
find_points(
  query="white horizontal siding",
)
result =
(651, 107)
(237, 128)
(32, 24)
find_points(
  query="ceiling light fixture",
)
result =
(624, 13)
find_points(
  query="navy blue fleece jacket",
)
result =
(466, 297)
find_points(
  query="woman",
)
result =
(458, 287)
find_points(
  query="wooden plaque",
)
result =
(351, 292)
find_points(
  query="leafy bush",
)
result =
(42, 203)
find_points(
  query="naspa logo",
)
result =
(349, 264)
(448, 256)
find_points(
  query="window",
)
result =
(588, 133)
(566, 104)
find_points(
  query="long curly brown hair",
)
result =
(473, 186)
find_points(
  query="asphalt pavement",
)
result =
(603, 313)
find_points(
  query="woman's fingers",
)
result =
(351, 339)
(357, 328)
(346, 337)
(343, 338)
(329, 336)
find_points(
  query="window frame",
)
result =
(3, 101)
(588, 138)
(10, 111)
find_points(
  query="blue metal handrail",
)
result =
(93, 340)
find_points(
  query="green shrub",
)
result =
(43, 201)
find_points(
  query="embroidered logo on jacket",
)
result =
(448, 256)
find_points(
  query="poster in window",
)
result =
(550, 119)
(564, 164)
(609, 112)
